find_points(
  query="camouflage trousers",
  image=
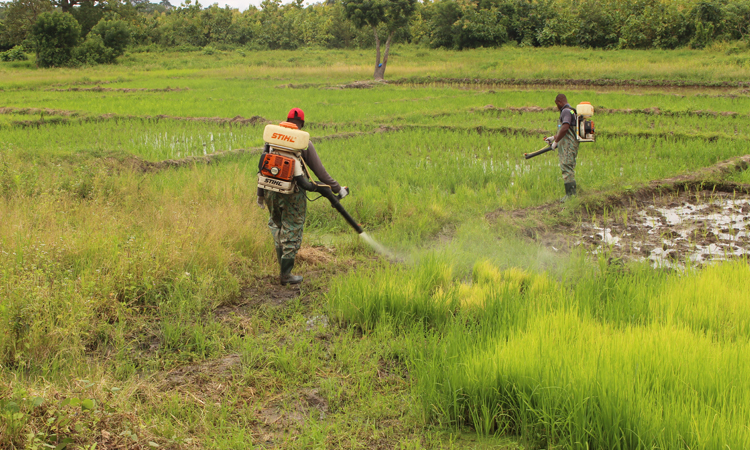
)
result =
(567, 151)
(287, 220)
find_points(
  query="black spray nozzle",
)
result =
(537, 153)
(326, 192)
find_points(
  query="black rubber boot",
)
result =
(570, 191)
(278, 255)
(287, 264)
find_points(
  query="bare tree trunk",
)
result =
(377, 51)
(380, 68)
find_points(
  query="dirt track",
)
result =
(101, 89)
(551, 82)
(599, 110)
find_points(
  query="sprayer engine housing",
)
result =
(277, 169)
(585, 131)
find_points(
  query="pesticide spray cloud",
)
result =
(378, 247)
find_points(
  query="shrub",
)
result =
(115, 35)
(14, 54)
(106, 41)
(55, 34)
(93, 51)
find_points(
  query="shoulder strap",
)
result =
(575, 113)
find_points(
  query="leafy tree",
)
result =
(115, 35)
(88, 13)
(55, 34)
(66, 5)
(737, 19)
(20, 16)
(217, 23)
(388, 15)
(278, 25)
(479, 27)
(182, 26)
(442, 15)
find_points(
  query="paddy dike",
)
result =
(671, 223)
(737, 88)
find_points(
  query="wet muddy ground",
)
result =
(673, 230)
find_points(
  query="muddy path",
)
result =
(279, 412)
(103, 89)
(694, 86)
(364, 84)
(572, 83)
(64, 117)
(136, 164)
(690, 219)
(599, 110)
(67, 116)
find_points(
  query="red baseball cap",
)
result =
(296, 113)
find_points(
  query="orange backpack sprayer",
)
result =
(585, 131)
(282, 169)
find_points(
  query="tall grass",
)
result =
(76, 268)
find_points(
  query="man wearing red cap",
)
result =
(288, 211)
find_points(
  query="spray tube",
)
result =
(326, 192)
(537, 153)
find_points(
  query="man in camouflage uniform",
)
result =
(287, 211)
(566, 144)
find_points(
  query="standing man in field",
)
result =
(287, 211)
(566, 144)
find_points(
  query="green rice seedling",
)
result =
(574, 383)
(391, 294)
(710, 302)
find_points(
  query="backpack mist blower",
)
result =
(585, 131)
(282, 169)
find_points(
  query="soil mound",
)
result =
(597, 82)
(103, 89)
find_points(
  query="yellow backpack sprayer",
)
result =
(282, 169)
(585, 131)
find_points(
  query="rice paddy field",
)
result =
(139, 305)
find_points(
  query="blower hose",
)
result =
(326, 192)
(537, 153)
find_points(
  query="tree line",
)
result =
(97, 31)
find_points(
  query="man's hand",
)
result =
(553, 145)
(261, 203)
(343, 192)
(549, 140)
